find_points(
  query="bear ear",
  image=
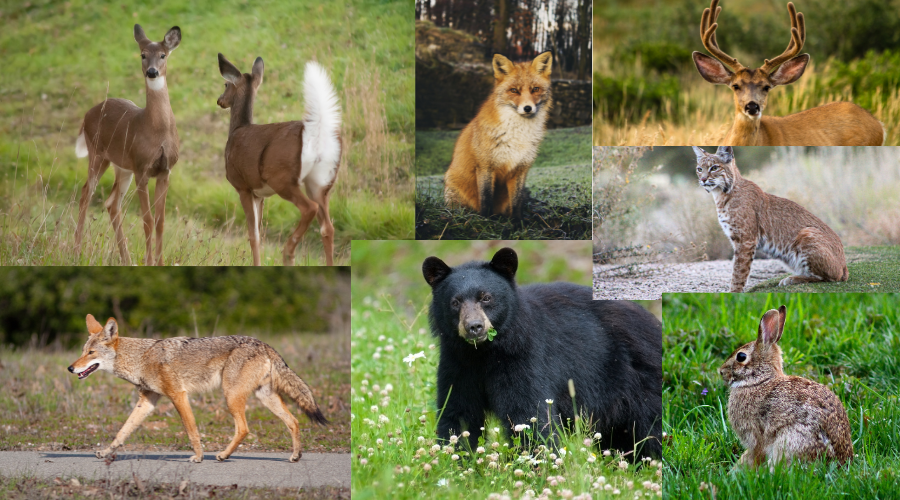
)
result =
(435, 271)
(506, 262)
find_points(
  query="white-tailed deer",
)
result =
(139, 142)
(262, 160)
(833, 124)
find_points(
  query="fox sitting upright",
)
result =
(495, 150)
(180, 366)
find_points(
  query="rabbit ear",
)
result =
(771, 326)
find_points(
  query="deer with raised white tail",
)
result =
(833, 124)
(139, 142)
(262, 160)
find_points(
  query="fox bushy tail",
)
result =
(323, 115)
(290, 385)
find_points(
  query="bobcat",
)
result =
(779, 227)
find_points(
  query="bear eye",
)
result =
(486, 298)
(741, 357)
(454, 303)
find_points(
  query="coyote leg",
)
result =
(183, 405)
(273, 402)
(144, 407)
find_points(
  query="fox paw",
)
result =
(196, 459)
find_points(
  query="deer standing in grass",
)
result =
(140, 143)
(833, 124)
(262, 160)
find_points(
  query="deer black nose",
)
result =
(71, 369)
(475, 328)
(152, 73)
(527, 109)
(752, 108)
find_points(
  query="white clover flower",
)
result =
(374, 408)
(379, 441)
(597, 435)
(533, 419)
(606, 453)
(548, 401)
(389, 348)
(521, 427)
(466, 434)
(454, 439)
(420, 439)
(389, 387)
(591, 459)
(377, 355)
(623, 465)
(454, 457)
(435, 447)
(383, 419)
(558, 461)
(412, 357)
(480, 449)
(363, 461)
(519, 472)
(443, 482)
(586, 442)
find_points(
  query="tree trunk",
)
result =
(584, 37)
(501, 8)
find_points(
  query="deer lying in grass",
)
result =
(139, 142)
(262, 160)
(833, 124)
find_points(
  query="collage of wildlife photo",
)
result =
(450, 249)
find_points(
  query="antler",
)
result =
(798, 36)
(708, 27)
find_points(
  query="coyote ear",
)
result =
(228, 70)
(93, 325)
(543, 64)
(258, 68)
(502, 67)
(506, 262)
(771, 326)
(111, 330)
(435, 271)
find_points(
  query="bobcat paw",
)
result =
(295, 458)
(196, 459)
(787, 281)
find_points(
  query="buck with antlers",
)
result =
(141, 143)
(262, 160)
(834, 124)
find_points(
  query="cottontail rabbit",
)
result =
(777, 416)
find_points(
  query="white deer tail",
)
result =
(323, 117)
(81, 149)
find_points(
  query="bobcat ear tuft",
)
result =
(699, 152)
(726, 153)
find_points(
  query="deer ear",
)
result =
(93, 325)
(712, 70)
(228, 70)
(173, 38)
(139, 35)
(258, 68)
(790, 71)
(543, 64)
(502, 67)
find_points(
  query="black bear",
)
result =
(507, 349)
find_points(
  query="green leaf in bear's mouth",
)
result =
(491, 333)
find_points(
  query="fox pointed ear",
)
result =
(502, 67)
(771, 326)
(543, 64)
(257, 73)
(93, 325)
(506, 262)
(111, 330)
(229, 71)
(435, 270)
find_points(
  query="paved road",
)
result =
(243, 469)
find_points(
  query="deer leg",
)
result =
(326, 228)
(248, 201)
(96, 169)
(114, 207)
(308, 210)
(159, 204)
(143, 193)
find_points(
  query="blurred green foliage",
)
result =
(632, 97)
(43, 304)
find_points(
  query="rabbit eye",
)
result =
(741, 357)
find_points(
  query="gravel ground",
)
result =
(698, 277)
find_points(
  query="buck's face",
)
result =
(154, 55)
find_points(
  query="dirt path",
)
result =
(697, 277)
(244, 469)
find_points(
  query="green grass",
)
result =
(62, 60)
(872, 269)
(393, 403)
(846, 341)
(43, 407)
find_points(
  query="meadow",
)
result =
(393, 408)
(558, 195)
(61, 60)
(846, 341)
(647, 90)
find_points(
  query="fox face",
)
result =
(524, 87)
(99, 352)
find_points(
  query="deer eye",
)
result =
(741, 357)
(736, 87)
(767, 88)
(143, 56)
(162, 56)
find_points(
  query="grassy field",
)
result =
(45, 408)
(62, 60)
(558, 203)
(845, 341)
(394, 411)
(872, 269)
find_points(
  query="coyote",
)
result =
(180, 366)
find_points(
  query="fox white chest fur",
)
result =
(516, 140)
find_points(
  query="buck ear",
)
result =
(699, 152)
(435, 271)
(93, 325)
(502, 67)
(790, 71)
(712, 70)
(139, 35)
(543, 64)
(172, 39)
(110, 332)
(506, 262)
(771, 326)
(258, 68)
(726, 153)
(228, 70)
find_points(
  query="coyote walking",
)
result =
(179, 366)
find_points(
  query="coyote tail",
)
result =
(290, 385)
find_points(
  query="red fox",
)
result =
(495, 150)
